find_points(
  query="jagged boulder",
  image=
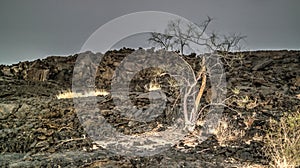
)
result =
(37, 74)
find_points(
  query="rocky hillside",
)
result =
(39, 130)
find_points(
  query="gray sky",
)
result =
(34, 29)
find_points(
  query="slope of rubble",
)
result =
(39, 130)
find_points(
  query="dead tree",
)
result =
(179, 36)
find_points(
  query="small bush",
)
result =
(282, 141)
(226, 132)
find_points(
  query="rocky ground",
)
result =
(39, 130)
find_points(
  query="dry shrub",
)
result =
(282, 141)
(226, 132)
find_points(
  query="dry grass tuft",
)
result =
(282, 141)
(154, 86)
(227, 133)
(69, 94)
(250, 165)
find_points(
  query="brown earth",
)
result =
(39, 130)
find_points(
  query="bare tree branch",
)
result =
(163, 40)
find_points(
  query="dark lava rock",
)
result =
(39, 130)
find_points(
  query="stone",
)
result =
(6, 71)
(262, 64)
(108, 73)
(297, 81)
(37, 74)
(42, 144)
(6, 110)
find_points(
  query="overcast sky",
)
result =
(31, 29)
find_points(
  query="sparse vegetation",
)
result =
(154, 86)
(226, 132)
(251, 165)
(69, 94)
(282, 141)
(235, 90)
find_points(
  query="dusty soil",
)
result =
(39, 130)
